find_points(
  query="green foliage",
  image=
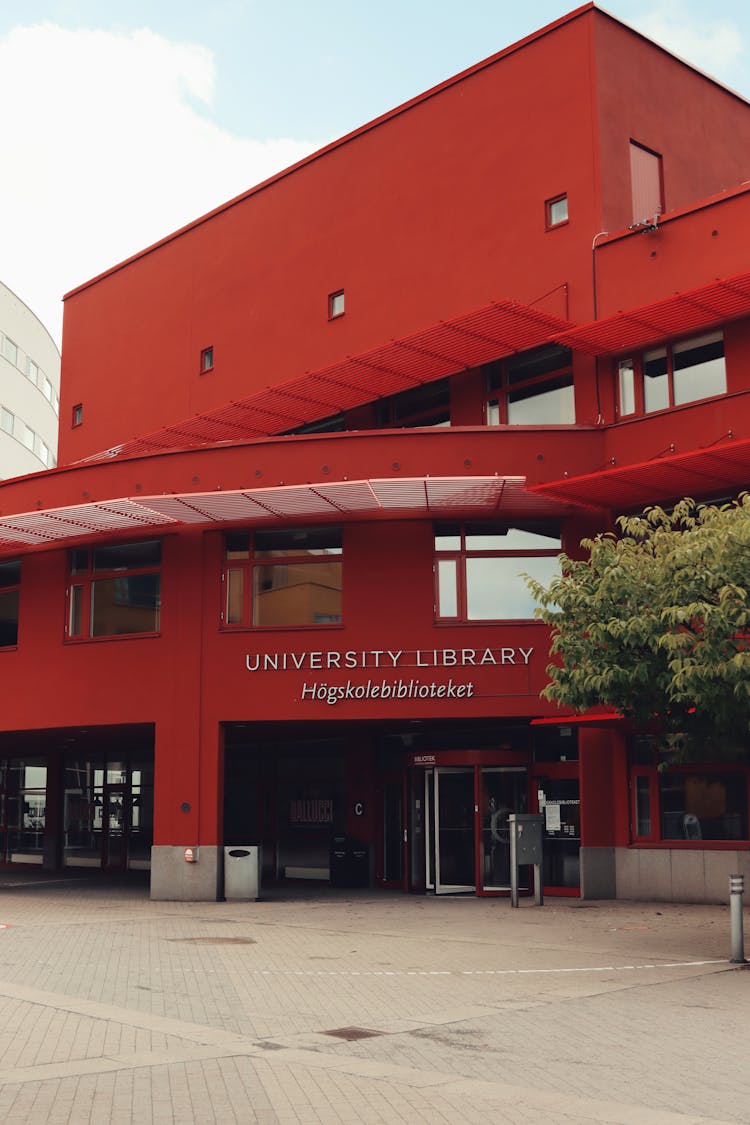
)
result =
(656, 624)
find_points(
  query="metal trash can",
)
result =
(349, 863)
(242, 872)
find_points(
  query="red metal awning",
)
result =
(339, 501)
(722, 469)
(488, 333)
(590, 719)
(695, 310)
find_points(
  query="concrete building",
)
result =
(29, 390)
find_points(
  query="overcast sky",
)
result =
(124, 119)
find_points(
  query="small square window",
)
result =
(556, 211)
(78, 414)
(207, 360)
(335, 304)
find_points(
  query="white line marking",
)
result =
(481, 972)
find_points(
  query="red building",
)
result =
(310, 443)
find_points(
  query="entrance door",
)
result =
(504, 790)
(114, 825)
(453, 831)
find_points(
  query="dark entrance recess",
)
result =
(78, 797)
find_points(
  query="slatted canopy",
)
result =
(721, 469)
(339, 501)
(488, 333)
(695, 310)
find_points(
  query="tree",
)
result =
(655, 623)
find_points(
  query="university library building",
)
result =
(311, 444)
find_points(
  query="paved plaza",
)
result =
(335, 1006)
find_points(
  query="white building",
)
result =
(29, 390)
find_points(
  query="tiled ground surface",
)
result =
(114, 1008)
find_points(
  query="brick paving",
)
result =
(115, 1008)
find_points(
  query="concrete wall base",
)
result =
(598, 879)
(679, 874)
(172, 879)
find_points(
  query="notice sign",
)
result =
(552, 818)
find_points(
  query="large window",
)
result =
(672, 375)
(480, 568)
(10, 580)
(428, 405)
(531, 389)
(23, 810)
(278, 578)
(114, 590)
(687, 803)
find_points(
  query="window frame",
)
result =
(658, 772)
(254, 562)
(549, 204)
(636, 361)
(10, 588)
(458, 557)
(207, 360)
(335, 313)
(85, 580)
(500, 386)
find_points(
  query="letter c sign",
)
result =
(359, 808)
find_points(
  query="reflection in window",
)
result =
(672, 375)
(25, 810)
(703, 806)
(531, 389)
(278, 578)
(424, 406)
(114, 590)
(480, 569)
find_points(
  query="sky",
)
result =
(125, 119)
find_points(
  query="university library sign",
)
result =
(401, 674)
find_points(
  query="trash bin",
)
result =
(242, 872)
(349, 863)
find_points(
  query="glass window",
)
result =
(283, 578)
(207, 360)
(10, 581)
(531, 389)
(424, 406)
(116, 590)
(678, 373)
(642, 805)
(703, 805)
(6, 420)
(336, 304)
(480, 569)
(557, 210)
(626, 381)
(699, 370)
(10, 350)
(25, 810)
(32, 371)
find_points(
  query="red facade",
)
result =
(307, 444)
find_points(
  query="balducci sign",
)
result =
(386, 659)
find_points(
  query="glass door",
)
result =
(453, 833)
(560, 802)
(504, 790)
(115, 828)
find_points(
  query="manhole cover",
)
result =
(351, 1033)
(216, 940)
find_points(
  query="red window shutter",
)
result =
(646, 183)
